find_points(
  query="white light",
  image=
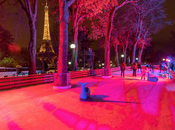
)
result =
(99, 65)
(110, 61)
(163, 59)
(136, 58)
(122, 55)
(72, 46)
(102, 64)
(111, 64)
(69, 63)
(98, 61)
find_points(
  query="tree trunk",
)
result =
(116, 53)
(133, 52)
(107, 42)
(63, 37)
(76, 48)
(32, 47)
(140, 53)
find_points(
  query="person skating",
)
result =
(134, 67)
(150, 66)
(143, 73)
(122, 68)
(139, 66)
(153, 67)
(161, 67)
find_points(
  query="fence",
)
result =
(27, 80)
(172, 75)
(20, 81)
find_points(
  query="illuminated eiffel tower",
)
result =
(46, 53)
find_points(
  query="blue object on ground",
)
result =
(83, 91)
(152, 79)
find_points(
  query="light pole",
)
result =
(72, 46)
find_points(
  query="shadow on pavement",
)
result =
(99, 98)
(130, 79)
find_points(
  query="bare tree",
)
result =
(150, 18)
(31, 15)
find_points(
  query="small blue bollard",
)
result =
(85, 93)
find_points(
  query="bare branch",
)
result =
(81, 17)
(23, 7)
(35, 8)
(70, 2)
(2, 2)
(29, 7)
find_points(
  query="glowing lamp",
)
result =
(136, 58)
(72, 46)
(122, 55)
(103, 64)
(166, 59)
(69, 63)
(163, 59)
(169, 60)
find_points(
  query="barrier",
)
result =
(27, 80)
(172, 75)
(20, 81)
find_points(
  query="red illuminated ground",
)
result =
(116, 104)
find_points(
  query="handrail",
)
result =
(27, 80)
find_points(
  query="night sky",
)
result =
(162, 42)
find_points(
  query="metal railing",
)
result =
(27, 80)
(20, 81)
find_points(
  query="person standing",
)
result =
(150, 66)
(147, 66)
(143, 73)
(161, 67)
(134, 67)
(153, 67)
(122, 68)
(139, 66)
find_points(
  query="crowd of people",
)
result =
(144, 70)
(134, 67)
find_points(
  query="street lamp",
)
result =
(72, 46)
(122, 55)
(136, 58)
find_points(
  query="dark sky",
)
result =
(162, 41)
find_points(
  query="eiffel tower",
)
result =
(46, 53)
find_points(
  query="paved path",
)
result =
(116, 104)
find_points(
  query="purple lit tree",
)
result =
(30, 8)
(148, 17)
(103, 27)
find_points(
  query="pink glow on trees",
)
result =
(63, 35)
(81, 9)
(77, 15)
(150, 19)
(110, 8)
